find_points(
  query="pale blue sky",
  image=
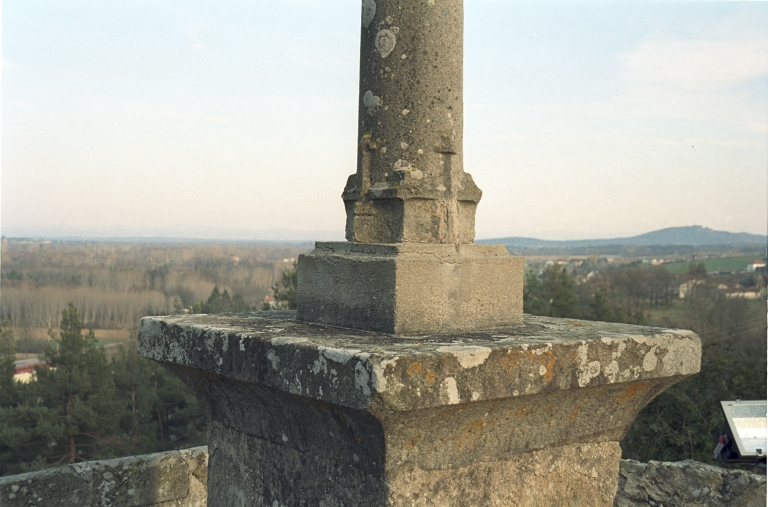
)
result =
(225, 118)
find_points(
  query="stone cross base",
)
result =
(410, 287)
(302, 414)
(569, 475)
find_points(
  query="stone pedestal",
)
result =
(410, 265)
(302, 414)
(410, 288)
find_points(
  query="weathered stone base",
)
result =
(252, 471)
(307, 415)
(581, 475)
(420, 288)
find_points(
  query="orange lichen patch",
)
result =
(573, 415)
(546, 359)
(631, 391)
(511, 361)
(530, 359)
(415, 367)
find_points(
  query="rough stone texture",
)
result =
(578, 475)
(341, 415)
(687, 483)
(655, 484)
(410, 185)
(410, 288)
(168, 479)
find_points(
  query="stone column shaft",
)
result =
(410, 185)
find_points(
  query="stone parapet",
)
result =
(687, 483)
(303, 414)
(166, 479)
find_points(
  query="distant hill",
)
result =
(694, 235)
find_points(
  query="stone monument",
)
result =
(409, 375)
(410, 265)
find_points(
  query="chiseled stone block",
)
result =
(410, 287)
(167, 479)
(302, 414)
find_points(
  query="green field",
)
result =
(714, 265)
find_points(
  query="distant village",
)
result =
(728, 279)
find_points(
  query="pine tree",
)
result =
(8, 391)
(221, 302)
(133, 386)
(71, 413)
(552, 294)
(600, 310)
(161, 413)
(286, 296)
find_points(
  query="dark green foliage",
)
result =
(286, 296)
(221, 302)
(8, 391)
(81, 407)
(599, 309)
(69, 414)
(161, 413)
(13, 275)
(133, 383)
(25, 431)
(552, 294)
(697, 271)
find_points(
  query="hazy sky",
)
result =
(225, 118)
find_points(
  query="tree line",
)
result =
(113, 285)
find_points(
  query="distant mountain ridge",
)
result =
(694, 235)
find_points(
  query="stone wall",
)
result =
(687, 483)
(167, 479)
(178, 479)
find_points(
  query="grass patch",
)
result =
(725, 264)
(672, 315)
